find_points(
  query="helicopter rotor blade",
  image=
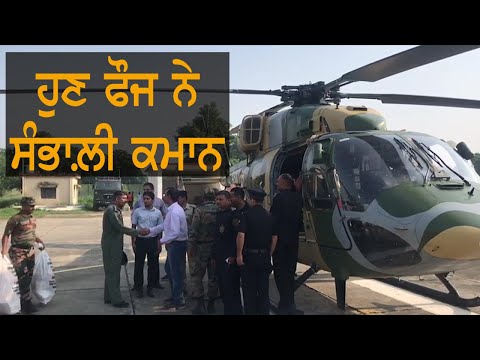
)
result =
(398, 63)
(415, 100)
(213, 91)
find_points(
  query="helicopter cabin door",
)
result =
(318, 203)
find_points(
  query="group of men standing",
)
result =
(231, 240)
(226, 237)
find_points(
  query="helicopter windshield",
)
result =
(445, 159)
(366, 165)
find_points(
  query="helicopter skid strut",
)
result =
(451, 298)
(298, 282)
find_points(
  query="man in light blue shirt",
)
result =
(147, 217)
(157, 202)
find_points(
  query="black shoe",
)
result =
(27, 308)
(165, 278)
(172, 306)
(180, 306)
(122, 304)
(158, 286)
(150, 292)
(211, 307)
(139, 293)
(199, 308)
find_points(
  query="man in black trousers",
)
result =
(287, 211)
(225, 255)
(256, 241)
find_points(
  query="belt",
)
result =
(23, 246)
(256, 251)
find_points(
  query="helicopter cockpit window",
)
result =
(368, 165)
(439, 151)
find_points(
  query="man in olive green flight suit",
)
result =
(112, 248)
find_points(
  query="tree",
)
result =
(207, 123)
(235, 154)
(7, 183)
(476, 162)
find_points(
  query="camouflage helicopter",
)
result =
(377, 203)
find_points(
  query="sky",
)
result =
(269, 67)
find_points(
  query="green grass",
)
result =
(7, 212)
(8, 200)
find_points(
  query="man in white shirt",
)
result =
(175, 236)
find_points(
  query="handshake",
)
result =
(143, 232)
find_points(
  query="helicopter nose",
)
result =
(456, 243)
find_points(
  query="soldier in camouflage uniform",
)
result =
(21, 227)
(189, 211)
(112, 248)
(202, 238)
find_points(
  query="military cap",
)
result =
(257, 193)
(27, 201)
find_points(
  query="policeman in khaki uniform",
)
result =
(21, 227)
(202, 237)
(256, 242)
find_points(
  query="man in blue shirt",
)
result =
(157, 202)
(147, 217)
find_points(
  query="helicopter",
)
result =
(378, 203)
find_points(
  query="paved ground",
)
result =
(73, 243)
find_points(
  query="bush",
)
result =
(86, 202)
(6, 202)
